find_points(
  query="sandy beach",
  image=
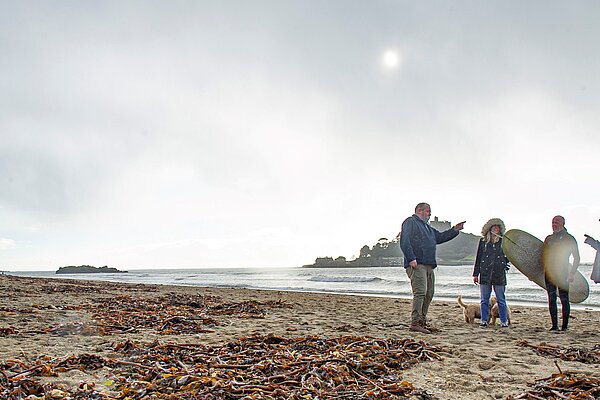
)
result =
(54, 319)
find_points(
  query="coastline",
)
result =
(61, 317)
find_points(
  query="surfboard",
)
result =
(524, 251)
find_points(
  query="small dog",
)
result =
(495, 314)
(473, 311)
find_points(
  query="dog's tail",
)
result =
(459, 301)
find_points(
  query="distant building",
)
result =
(440, 225)
(329, 262)
(323, 261)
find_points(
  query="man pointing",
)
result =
(418, 241)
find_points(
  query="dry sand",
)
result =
(478, 363)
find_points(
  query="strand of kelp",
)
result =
(565, 353)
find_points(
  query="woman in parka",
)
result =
(490, 270)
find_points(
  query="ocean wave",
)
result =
(354, 279)
(455, 287)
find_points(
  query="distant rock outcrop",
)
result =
(87, 269)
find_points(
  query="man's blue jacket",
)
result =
(418, 241)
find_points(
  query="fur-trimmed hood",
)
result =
(488, 225)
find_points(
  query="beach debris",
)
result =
(13, 311)
(81, 362)
(260, 366)
(39, 285)
(247, 309)
(76, 328)
(566, 385)
(565, 353)
(172, 314)
(7, 331)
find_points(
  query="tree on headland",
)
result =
(383, 248)
(365, 252)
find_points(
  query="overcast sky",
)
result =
(179, 134)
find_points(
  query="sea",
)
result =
(383, 282)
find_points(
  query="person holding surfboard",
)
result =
(490, 269)
(558, 272)
(418, 241)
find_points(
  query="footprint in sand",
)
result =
(485, 365)
(512, 371)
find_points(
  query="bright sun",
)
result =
(390, 59)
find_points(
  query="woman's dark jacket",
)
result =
(491, 264)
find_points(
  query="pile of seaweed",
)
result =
(566, 385)
(261, 366)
